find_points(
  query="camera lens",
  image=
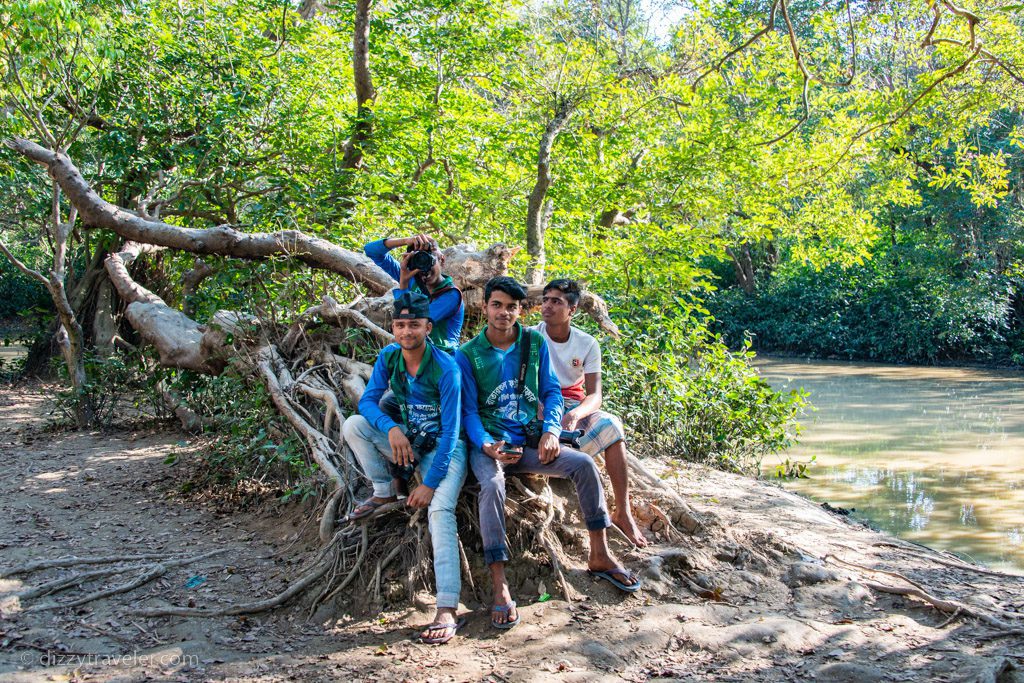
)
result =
(422, 261)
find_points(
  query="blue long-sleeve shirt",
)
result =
(431, 400)
(446, 310)
(489, 378)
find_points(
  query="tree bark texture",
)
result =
(743, 263)
(536, 222)
(365, 93)
(180, 341)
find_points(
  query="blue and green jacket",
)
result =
(446, 308)
(491, 409)
(431, 400)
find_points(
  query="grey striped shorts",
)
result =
(600, 430)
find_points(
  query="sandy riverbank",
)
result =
(775, 610)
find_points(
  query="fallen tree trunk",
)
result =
(222, 240)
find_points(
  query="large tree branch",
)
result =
(34, 274)
(180, 341)
(221, 240)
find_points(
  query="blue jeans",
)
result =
(570, 464)
(372, 451)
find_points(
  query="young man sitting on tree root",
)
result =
(506, 371)
(576, 359)
(427, 387)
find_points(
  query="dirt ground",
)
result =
(797, 616)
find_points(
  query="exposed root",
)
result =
(467, 572)
(38, 565)
(295, 589)
(944, 605)
(873, 570)
(951, 607)
(65, 582)
(329, 517)
(936, 558)
(321, 448)
(946, 622)
(153, 572)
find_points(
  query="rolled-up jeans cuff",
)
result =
(599, 523)
(447, 600)
(499, 554)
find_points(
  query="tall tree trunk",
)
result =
(69, 331)
(365, 93)
(536, 223)
(743, 263)
(70, 339)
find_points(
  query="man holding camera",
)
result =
(506, 371)
(419, 270)
(576, 358)
(427, 387)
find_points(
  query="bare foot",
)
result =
(627, 525)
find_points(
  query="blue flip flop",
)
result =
(506, 609)
(610, 574)
(449, 632)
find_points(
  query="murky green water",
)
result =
(934, 455)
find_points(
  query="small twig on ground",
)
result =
(950, 620)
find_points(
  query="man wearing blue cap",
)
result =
(427, 386)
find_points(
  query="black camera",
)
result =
(534, 428)
(422, 442)
(532, 431)
(571, 437)
(423, 261)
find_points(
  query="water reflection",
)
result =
(935, 455)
